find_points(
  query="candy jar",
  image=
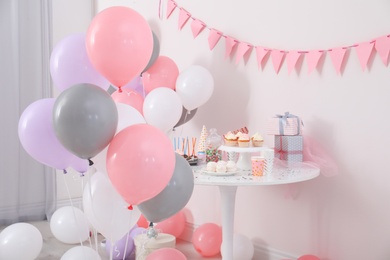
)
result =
(213, 141)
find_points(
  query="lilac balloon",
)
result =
(136, 231)
(136, 85)
(119, 250)
(36, 134)
(70, 64)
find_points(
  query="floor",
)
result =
(54, 249)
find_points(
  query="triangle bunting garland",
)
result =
(364, 50)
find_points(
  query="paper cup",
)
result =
(257, 165)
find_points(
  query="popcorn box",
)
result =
(287, 124)
(289, 148)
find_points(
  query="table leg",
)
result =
(228, 199)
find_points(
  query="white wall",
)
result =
(339, 218)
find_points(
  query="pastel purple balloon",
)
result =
(70, 64)
(36, 134)
(119, 248)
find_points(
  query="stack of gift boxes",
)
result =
(287, 130)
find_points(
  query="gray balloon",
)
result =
(175, 195)
(155, 53)
(185, 116)
(85, 119)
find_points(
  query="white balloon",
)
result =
(81, 253)
(242, 247)
(69, 225)
(20, 241)
(195, 85)
(106, 209)
(127, 116)
(162, 108)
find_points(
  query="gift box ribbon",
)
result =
(283, 153)
(283, 122)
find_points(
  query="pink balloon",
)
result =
(119, 44)
(165, 254)
(173, 225)
(163, 73)
(130, 98)
(309, 257)
(70, 65)
(207, 239)
(140, 162)
(36, 134)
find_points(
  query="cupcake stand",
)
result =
(227, 185)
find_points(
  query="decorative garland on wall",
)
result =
(364, 50)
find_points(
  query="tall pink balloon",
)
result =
(119, 44)
(165, 254)
(70, 65)
(130, 98)
(36, 134)
(140, 162)
(163, 73)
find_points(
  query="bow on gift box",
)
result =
(283, 122)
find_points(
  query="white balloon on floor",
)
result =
(69, 225)
(81, 253)
(20, 241)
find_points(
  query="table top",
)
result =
(280, 175)
(238, 149)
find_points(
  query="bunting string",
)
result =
(364, 50)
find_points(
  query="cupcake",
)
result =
(230, 139)
(257, 140)
(231, 166)
(211, 166)
(243, 140)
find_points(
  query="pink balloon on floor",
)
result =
(309, 257)
(207, 239)
(165, 254)
(173, 225)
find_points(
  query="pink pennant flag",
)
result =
(242, 49)
(197, 26)
(171, 5)
(183, 17)
(277, 59)
(382, 46)
(292, 58)
(364, 51)
(337, 56)
(214, 38)
(312, 59)
(229, 45)
(260, 54)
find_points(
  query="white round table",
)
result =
(228, 186)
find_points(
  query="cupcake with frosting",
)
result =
(243, 140)
(257, 140)
(230, 139)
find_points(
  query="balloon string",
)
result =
(127, 241)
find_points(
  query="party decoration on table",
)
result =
(119, 44)
(20, 241)
(133, 156)
(163, 73)
(243, 248)
(175, 195)
(289, 148)
(129, 97)
(70, 64)
(213, 142)
(207, 239)
(166, 253)
(286, 124)
(185, 116)
(106, 210)
(364, 50)
(69, 225)
(185, 147)
(202, 139)
(194, 85)
(155, 53)
(173, 225)
(162, 108)
(37, 136)
(85, 119)
(81, 253)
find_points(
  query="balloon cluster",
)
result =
(123, 134)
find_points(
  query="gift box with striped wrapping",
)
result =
(289, 148)
(287, 124)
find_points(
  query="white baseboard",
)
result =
(262, 252)
(77, 202)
